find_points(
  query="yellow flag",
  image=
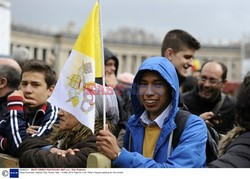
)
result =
(74, 91)
(89, 40)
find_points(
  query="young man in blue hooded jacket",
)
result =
(149, 132)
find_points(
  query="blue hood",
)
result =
(166, 69)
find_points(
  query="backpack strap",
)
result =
(219, 104)
(180, 121)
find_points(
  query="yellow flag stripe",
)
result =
(89, 39)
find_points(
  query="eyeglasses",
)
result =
(212, 81)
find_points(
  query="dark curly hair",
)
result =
(243, 103)
(242, 117)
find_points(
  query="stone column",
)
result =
(137, 64)
(129, 64)
(120, 64)
(39, 53)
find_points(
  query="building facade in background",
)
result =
(5, 27)
(131, 48)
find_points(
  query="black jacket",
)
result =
(198, 106)
(3, 106)
(32, 156)
(17, 121)
(3, 134)
(237, 154)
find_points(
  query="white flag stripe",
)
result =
(74, 91)
(75, 66)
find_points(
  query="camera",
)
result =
(215, 117)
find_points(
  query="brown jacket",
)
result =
(32, 156)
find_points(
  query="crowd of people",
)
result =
(143, 114)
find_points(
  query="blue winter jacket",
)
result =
(189, 153)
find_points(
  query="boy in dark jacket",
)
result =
(29, 113)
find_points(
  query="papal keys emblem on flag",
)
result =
(78, 86)
(75, 88)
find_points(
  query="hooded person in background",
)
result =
(149, 132)
(111, 68)
(122, 93)
(70, 143)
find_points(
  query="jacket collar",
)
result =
(36, 113)
(197, 96)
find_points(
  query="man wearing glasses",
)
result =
(207, 99)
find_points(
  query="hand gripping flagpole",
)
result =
(103, 68)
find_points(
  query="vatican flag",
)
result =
(75, 88)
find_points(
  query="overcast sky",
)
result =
(207, 20)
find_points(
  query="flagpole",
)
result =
(103, 68)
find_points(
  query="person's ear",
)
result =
(169, 53)
(51, 89)
(3, 82)
(223, 84)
